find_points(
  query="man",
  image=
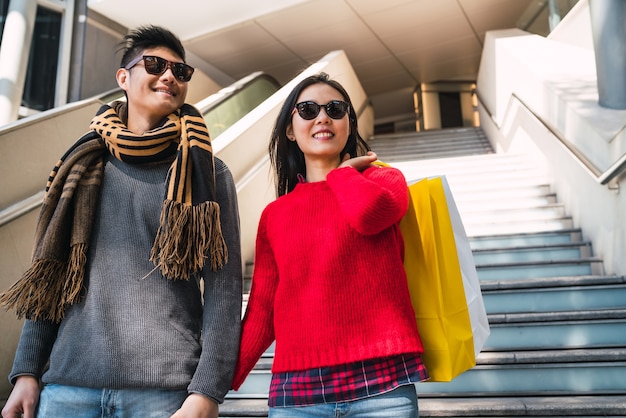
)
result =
(134, 294)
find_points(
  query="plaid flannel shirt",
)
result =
(345, 382)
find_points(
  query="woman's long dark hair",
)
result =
(285, 155)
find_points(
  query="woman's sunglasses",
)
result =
(157, 66)
(335, 109)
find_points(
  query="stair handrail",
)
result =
(16, 210)
(214, 100)
(21, 208)
(602, 177)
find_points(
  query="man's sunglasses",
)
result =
(335, 109)
(157, 66)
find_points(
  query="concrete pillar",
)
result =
(78, 51)
(14, 51)
(608, 24)
(554, 16)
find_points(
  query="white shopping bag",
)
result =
(471, 284)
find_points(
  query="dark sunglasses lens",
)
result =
(308, 110)
(154, 65)
(336, 109)
(183, 72)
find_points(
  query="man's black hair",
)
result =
(146, 37)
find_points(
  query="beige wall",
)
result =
(15, 249)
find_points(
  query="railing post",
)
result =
(14, 51)
(608, 24)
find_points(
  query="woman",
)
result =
(329, 283)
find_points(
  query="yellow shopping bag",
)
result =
(436, 283)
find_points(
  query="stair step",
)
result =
(556, 330)
(514, 160)
(399, 150)
(500, 203)
(504, 192)
(478, 407)
(533, 269)
(534, 379)
(531, 373)
(492, 358)
(547, 282)
(487, 242)
(547, 330)
(556, 296)
(456, 167)
(416, 155)
(494, 183)
(549, 252)
(547, 212)
(417, 143)
(529, 407)
(433, 133)
(510, 226)
(428, 145)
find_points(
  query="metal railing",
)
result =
(605, 178)
(602, 177)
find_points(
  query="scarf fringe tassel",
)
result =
(36, 297)
(187, 234)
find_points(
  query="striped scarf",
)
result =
(189, 228)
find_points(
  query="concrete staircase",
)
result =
(443, 143)
(558, 324)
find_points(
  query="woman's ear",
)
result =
(289, 133)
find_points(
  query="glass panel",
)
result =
(226, 113)
(541, 13)
(39, 89)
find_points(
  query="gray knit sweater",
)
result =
(135, 328)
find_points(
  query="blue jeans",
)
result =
(398, 403)
(77, 402)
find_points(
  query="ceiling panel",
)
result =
(365, 7)
(385, 74)
(445, 52)
(187, 18)
(307, 17)
(464, 68)
(328, 39)
(428, 38)
(238, 40)
(386, 82)
(365, 50)
(388, 64)
(409, 17)
(493, 14)
(392, 44)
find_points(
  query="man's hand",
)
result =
(23, 399)
(197, 406)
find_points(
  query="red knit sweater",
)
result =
(329, 283)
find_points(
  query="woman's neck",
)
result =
(317, 170)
